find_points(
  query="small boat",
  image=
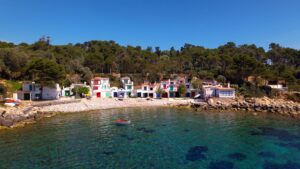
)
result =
(9, 100)
(11, 104)
(122, 122)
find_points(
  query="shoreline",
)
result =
(30, 112)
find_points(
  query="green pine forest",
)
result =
(73, 63)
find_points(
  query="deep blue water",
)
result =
(157, 138)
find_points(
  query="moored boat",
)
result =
(122, 122)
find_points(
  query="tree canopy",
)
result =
(227, 63)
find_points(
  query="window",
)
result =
(95, 87)
(145, 88)
(129, 87)
(151, 88)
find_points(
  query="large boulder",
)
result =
(6, 122)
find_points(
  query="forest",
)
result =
(73, 63)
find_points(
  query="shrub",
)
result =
(250, 90)
(181, 90)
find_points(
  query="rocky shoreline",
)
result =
(256, 105)
(33, 111)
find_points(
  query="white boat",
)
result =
(12, 104)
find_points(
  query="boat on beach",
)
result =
(12, 102)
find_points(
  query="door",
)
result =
(98, 94)
(26, 96)
(151, 95)
(67, 93)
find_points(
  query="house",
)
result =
(148, 90)
(190, 91)
(127, 86)
(279, 85)
(100, 87)
(210, 83)
(170, 88)
(225, 92)
(276, 86)
(67, 91)
(114, 92)
(33, 91)
(218, 90)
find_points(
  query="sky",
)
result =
(164, 23)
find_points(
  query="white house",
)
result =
(33, 91)
(148, 90)
(101, 87)
(220, 91)
(170, 88)
(277, 86)
(127, 86)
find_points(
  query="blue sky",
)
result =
(163, 23)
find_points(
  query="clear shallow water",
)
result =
(157, 138)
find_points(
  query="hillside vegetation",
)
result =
(79, 62)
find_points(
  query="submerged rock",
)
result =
(196, 153)
(278, 133)
(149, 131)
(108, 152)
(266, 154)
(127, 137)
(145, 130)
(288, 165)
(221, 165)
(292, 145)
(237, 156)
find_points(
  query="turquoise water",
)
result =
(157, 138)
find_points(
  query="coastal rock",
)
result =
(276, 106)
(6, 122)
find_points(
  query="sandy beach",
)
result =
(101, 104)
